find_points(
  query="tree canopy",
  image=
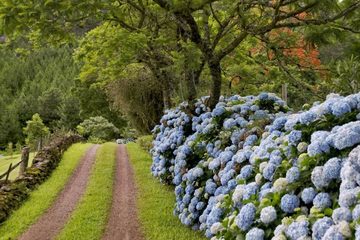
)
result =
(242, 46)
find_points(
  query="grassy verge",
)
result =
(88, 221)
(5, 162)
(156, 202)
(42, 198)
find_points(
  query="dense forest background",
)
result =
(127, 61)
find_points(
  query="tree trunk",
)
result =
(166, 99)
(164, 83)
(190, 83)
(166, 87)
(192, 78)
(215, 71)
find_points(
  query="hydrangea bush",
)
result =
(250, 169)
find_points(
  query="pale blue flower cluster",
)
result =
(297, 229)
(227, 168)
(246, 217)
(255, 234)
(289, 202)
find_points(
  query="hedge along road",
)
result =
(50, 224)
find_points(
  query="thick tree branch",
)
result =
(229, 48)
(298, 11)
(215, 16)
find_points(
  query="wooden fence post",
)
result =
(8, 173)
(24, 160)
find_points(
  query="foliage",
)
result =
(98, 128)
(35, 130)
(207, 39)
(242, 174)
(346, 80)
(138, 96)
(44, 82)
(10, 149)
(145, 142)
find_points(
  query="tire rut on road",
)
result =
(123, 221)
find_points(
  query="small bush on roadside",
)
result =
(145, 142)
(98, 128)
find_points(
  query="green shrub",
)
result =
(145, 142)
(97, 128)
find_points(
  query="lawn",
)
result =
(6, 161)
(89, 219)
(156, 202)
(42, 198)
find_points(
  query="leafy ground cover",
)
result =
(88, 221)
(42, 198)
(156, 202)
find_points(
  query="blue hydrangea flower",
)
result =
(250, 140)
(297, 230)
(347, 198)
(279, 123)
(292, 174)
(294, 136)
(246, 172)
(255, 234)
(289, 202)
(308, 195)
(268, 215)
(333, 234)
(269, 171)
(320, 227)
(339, 108)
(218, 111)
(200, 205)
(347, 138)
(341, 214)
(210, 187)
(229, 123)
(254, 108)
(263, 96)
(246, 216)
(332, 169)
(307, 117)
(250, 190)
(322, 200)
(356, 212)
(317, 177)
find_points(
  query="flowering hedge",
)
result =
(250, 169)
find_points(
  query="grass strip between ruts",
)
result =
(89, 219)
(156, 202)
(42, 198)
